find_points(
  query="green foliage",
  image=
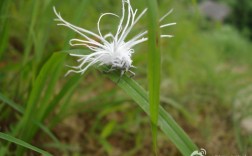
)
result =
(154, 64)
(4, 7)
(22, 143)
(240, 15)
(201, 74)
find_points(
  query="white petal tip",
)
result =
(166, 36)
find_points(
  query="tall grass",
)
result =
(154, 61)
(22, 143)
(167, 124)
(35, 97)
(4, 29)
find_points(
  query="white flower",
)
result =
(116, 53)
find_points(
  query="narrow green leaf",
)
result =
(50, 68)
(153, 68)
(20, 109)
(11, 103)
(66, 89)
(22, 143)
(39, 98)
(107, 130)
(4, 26)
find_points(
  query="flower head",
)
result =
(117, 51)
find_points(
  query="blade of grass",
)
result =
(20, 109)
(4, 28)
(65, 91)
(154, 65)
(22, 143)
(29, 41)
(13, 105)
(42, 99)
(39, 98)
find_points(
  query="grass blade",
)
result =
(153, 68)
(13, 105)
(39, 98)
(4, 26)
(20, 110)
(22, 143)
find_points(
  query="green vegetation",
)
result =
(154, 69)
(201, 77)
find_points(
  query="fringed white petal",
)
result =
(167, 25)
(98, 23)
(167, 14)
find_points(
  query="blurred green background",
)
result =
(206, 80)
